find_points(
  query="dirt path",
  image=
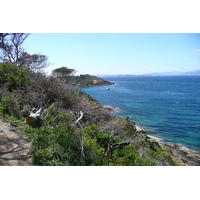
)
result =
(14, 146)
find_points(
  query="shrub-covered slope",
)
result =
(75, 129)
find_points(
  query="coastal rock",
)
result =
(112, 108)
(184, 154)
(187, 156)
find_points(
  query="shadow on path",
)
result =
(14, 147)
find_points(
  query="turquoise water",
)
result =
(167, 107)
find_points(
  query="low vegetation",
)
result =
(75, 128)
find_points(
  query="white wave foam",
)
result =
(156, 138)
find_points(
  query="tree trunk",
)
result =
(34, 116)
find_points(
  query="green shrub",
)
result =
(97, 152)
(13, 77)
(13, 121)
(126, 156)
(5, 106)
(55, 146)
(10, 104)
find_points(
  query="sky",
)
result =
(118, 53)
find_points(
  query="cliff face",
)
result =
(88, 80)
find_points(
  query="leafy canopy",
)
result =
(63, 72)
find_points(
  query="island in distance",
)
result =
(88, 80)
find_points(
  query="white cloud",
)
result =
(196, 49)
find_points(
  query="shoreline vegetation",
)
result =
(184, 154)
(71, 128)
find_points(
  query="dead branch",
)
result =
(116, 145)
(81, 116)
(81, 136)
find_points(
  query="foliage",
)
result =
(34, 62)
(55, 146)
(64, 73)
(12, 120)
(90, 98)
(13, 77)
(130, 126)
(11, 51)
(5, 106)
(10, 105)
(98, 151)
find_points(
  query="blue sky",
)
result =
(118, 53)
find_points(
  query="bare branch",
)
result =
(81, 116)
(112, 147)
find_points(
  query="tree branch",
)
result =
(116, 145)
(81, 116)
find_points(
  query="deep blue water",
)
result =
(167, 107)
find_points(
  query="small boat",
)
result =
(107, 88)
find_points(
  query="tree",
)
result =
(64, 73)
(11, 47)
(13, 52)
(34, 62)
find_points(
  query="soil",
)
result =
(14, 146)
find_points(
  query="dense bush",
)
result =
(55, 146)
(14, 77)
(98, 138)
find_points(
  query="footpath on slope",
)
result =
(14, 146)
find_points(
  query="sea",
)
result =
(166, 107)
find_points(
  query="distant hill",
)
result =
(173, 73)
(88, 80)
(196, 72)
(177, 73)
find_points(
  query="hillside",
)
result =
(87, 80)
(73, 128)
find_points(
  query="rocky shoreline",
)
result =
(185, 155)
(95, 84)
